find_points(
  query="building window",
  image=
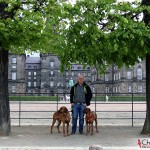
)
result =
(118, 89)
(84, 74)
(35, 67)
(34, 73)
(34, 77)
(29, 67)
(14, 66)
(93, 78)
(52, 73)
(118, 75)
(51, 83)
(51, 64)
(34, 84)
(114, 76)
(29, 84)
(58, 84)
(107, 89)
(129, 89)
(67, 84)
(14, 60)
(29, 73)
(106, 77)
(114, 89)
(139, 74)
(67, 73)
(139, 88)
(14, 75)
(13, 89)
(72, 73)
(128, 74)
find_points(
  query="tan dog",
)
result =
(62, 115)
(90, 117)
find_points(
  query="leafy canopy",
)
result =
(88, 32)
(97, 32)
(28, 25)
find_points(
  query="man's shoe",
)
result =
(81, 132)
(72, 133)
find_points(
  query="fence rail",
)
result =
(111, 109)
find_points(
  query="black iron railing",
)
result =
(111, 108)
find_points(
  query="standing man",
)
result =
(80, 97)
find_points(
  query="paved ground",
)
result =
(39, 138)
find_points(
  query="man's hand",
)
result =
(85, 104)
(72, 104)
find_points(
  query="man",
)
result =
(80, 97)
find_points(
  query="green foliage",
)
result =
(29, 25)
(96, 98)
(119, 98)
(34, 98)
(89, 32)
(100, 31)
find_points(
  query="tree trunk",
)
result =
(5, 127)
(146, 127)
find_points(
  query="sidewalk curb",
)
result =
(66, 148)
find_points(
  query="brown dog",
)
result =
(62, 115)
(90, 117)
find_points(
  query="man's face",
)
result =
(80, 80)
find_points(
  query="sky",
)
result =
(33, 54)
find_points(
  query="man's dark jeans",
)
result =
(78, 109)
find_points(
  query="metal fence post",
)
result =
(95, 103)
(57, 100)
(19, 112)
(132, 109)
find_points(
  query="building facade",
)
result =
(124, 80)
(33, 74)
(42, 75)
(16, 73)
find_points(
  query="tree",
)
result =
(24, 25)
(146, 127)
(100, 31)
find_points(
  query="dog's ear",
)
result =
(85, 110)
(89, 110)
(65, 110)
(59, 111)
